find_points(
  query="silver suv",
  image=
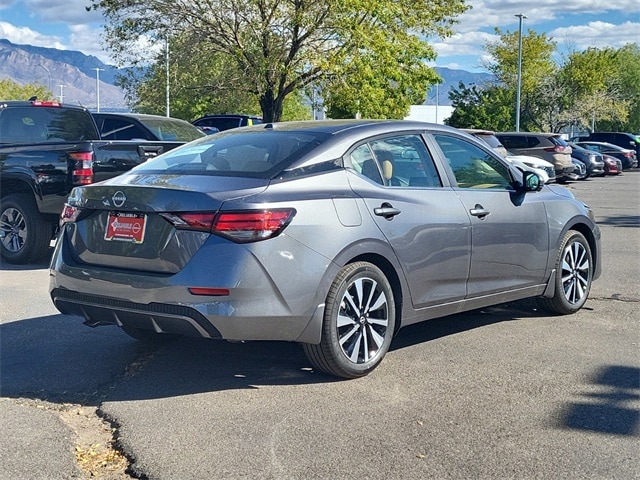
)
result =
(547, 146)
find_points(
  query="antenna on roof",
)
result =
(34, 98)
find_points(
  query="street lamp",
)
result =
(167, 70)
(521, 17)
(98, 87)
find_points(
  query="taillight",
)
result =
(252, 226)
(556, 149)
(242, 226)
(69, 214)
(81, 167)
(39, 103)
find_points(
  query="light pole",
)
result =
(521, 17)
(167, 70)
(98, 87)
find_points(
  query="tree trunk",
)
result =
(271, 106)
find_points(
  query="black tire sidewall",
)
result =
(330, 329)
(38, 230)
(570, 238)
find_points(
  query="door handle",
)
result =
(386, 210)
(479, 211)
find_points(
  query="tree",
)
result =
(279, 47)
(538, 67)
(485, 107)
(10, 90)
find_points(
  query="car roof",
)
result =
(478, 131)
(603, 144)
(335, 127)
(37, 103)
(539, 134)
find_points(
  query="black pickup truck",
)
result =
(46, 149)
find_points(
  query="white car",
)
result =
(543, 168)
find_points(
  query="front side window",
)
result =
(472, 166)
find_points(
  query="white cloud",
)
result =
(26, 36)
(597, 34)
(88, 40)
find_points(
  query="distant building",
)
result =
(430, 113)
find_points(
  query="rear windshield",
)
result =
(46, 124)
(255, 154)
(170, 130)
(490, 140)
(558, 141)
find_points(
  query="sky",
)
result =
(574, 24)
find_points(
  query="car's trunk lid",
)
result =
(130, 222)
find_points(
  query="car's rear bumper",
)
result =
(257, 307)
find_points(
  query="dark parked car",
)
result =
(625, 155)
(580, 170)
(135, 126)
(218, 123)
(332, 234)
(621, 139)
(592, 159)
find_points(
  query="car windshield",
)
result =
(170, 130)
(254, 153)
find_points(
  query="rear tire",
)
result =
(24, 235)
(574, 274)
(358, 324)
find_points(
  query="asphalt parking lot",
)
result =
(504, 392)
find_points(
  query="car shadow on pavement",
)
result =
(58, 359)
(605, 404)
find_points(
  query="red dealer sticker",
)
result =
(128, 227)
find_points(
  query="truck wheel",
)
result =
(24, 234)
(358, 323)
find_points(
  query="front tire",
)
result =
(358, 324)
(574, 274)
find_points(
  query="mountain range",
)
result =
(72, 75)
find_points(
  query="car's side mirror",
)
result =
(531, 182)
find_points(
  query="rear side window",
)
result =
(396, 161)
(219, 123)
(514, 142)
(45, 124)
(121, 129)
(254, 154)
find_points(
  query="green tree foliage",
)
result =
(273, 48)
(485, 107)
(10, 90)
(605, 87)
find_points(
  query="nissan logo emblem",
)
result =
(119, 198)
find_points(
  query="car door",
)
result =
(509, 238)
(425, 223)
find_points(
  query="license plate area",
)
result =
(126, 227)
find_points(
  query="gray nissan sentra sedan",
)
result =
(332, 234)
